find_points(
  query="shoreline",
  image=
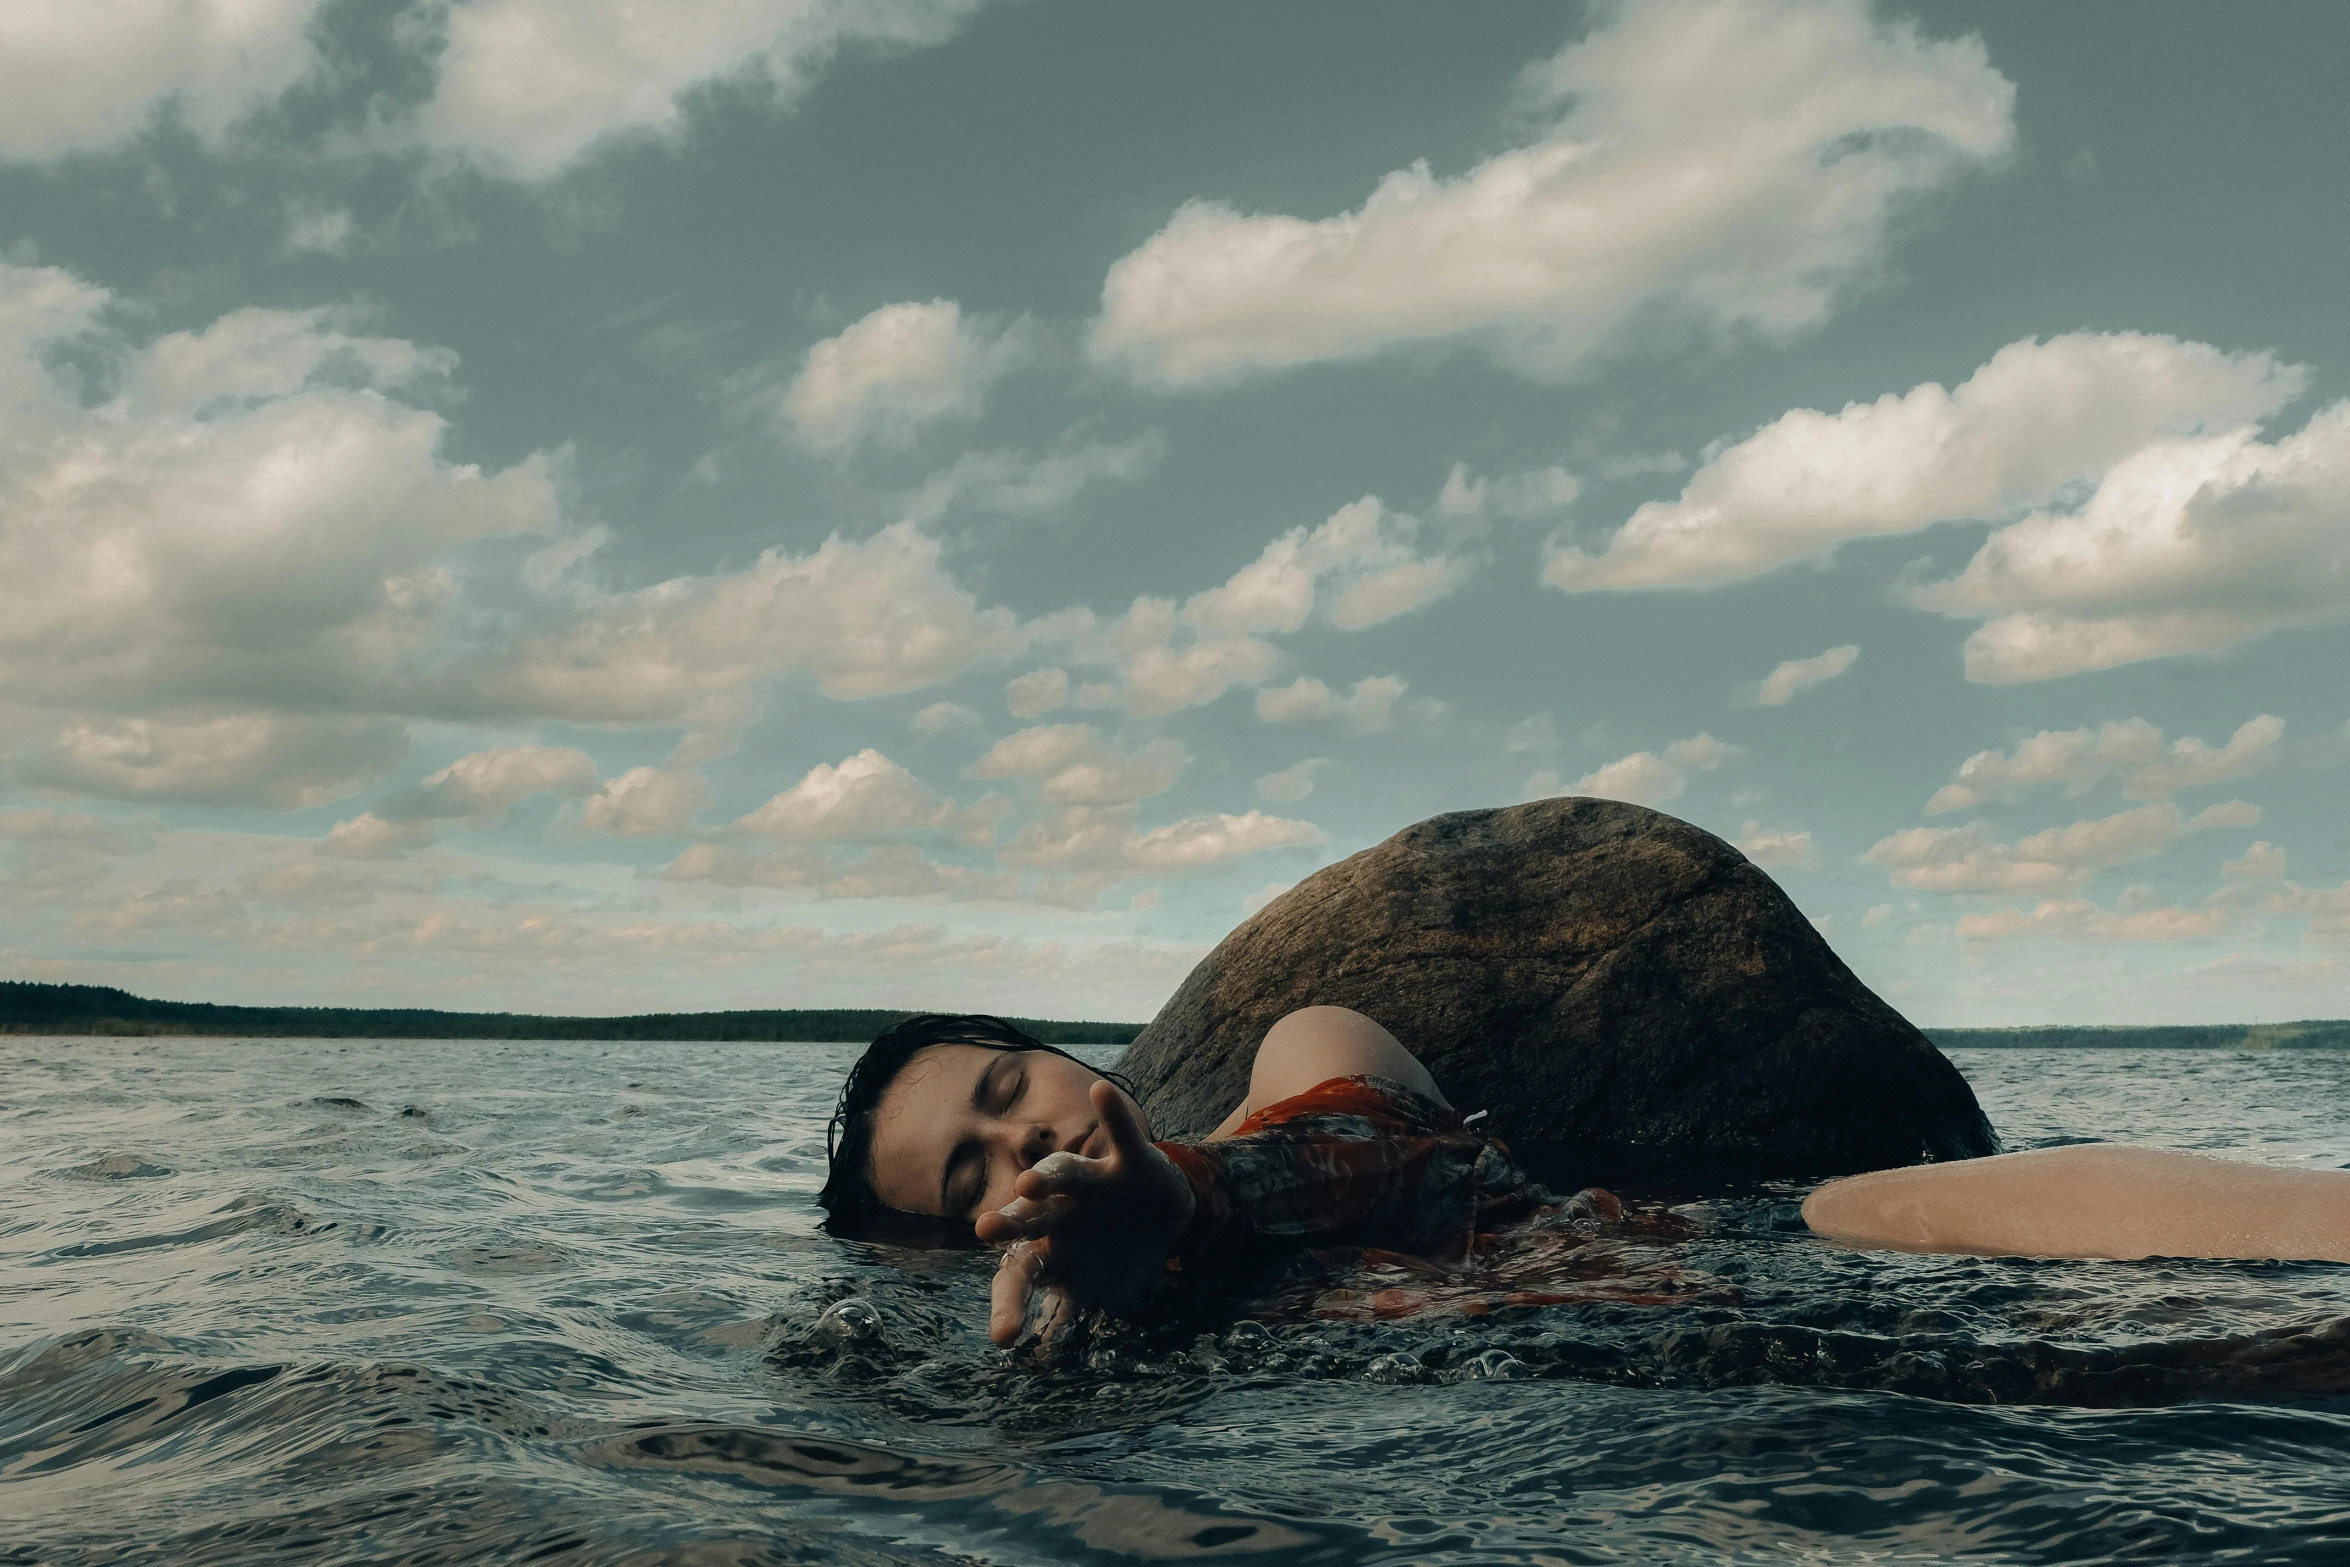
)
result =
(91, 1011)
(100, 1011)
(2309, 1034)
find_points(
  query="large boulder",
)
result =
(1625, 993)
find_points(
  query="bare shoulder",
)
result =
(1313, 1045)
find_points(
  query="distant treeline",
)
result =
(2314, 1035)
(92, 1009)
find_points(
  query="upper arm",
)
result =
(1315, 1044)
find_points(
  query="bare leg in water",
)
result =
(2092, 1200)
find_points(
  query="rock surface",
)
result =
(1625, 993)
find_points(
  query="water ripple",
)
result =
(487, 1301)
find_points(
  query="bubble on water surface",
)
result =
(1496, 1365)
(1248, 1338)
(1403, 1366)
(848, 1324)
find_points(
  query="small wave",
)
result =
(134, 1403)
(116, 1167)
(240, 1216)
(507, 1256)
(1128, 1521)
(548, 1338)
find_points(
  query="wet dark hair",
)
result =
(852, 1208)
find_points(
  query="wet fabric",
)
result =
(1363, 1198)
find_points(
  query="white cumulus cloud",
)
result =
(1538, 734)
(2328, 909)
(75, 76)
(487, 783)
(939, 717)
(1539, 492)
(1197, 842)
(1971, 859)
(1648, 777)
(97, 834)
(2264, 861)
(529, 85)
(1735, 165)
(866, 796)
(277, 761)
(864, 619)
(239, 525)
(1373, 706)
(2038, 417)
(646, 802)
(1783, 850)
(2187, 546)
(1364, 557)
(522, 86)
(1038, 691)
(1292, 783)
(1163, 665)
(1798, 675)
(2132, 750)
(1093, 846)
(368, 836)
(1361, 566)
(58, 856)
(2077, 919)
(1076, 766)
(903, 367)
(328, 232)
(1013, 484)
(1162, 679)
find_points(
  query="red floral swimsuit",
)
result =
(1361, 1198)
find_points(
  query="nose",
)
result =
(1035, 1141)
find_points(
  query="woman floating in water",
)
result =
(1345, 1139)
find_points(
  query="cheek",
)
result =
(1072, 1092)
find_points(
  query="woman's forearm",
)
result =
(2092, 1200)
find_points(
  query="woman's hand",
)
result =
(1089, 1232)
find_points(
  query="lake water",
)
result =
(400, 1301)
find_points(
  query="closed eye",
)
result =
(999, 1088)
(1002, 1085)
(964, 1182)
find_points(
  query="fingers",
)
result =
(1024, 1218)
(1128, 1136)
(1056, 1314)
(1015, 1280)
(1060, 1175)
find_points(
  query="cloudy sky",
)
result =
(577, 505)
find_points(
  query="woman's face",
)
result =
(958, 1125)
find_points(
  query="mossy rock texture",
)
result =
(1620, 990)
